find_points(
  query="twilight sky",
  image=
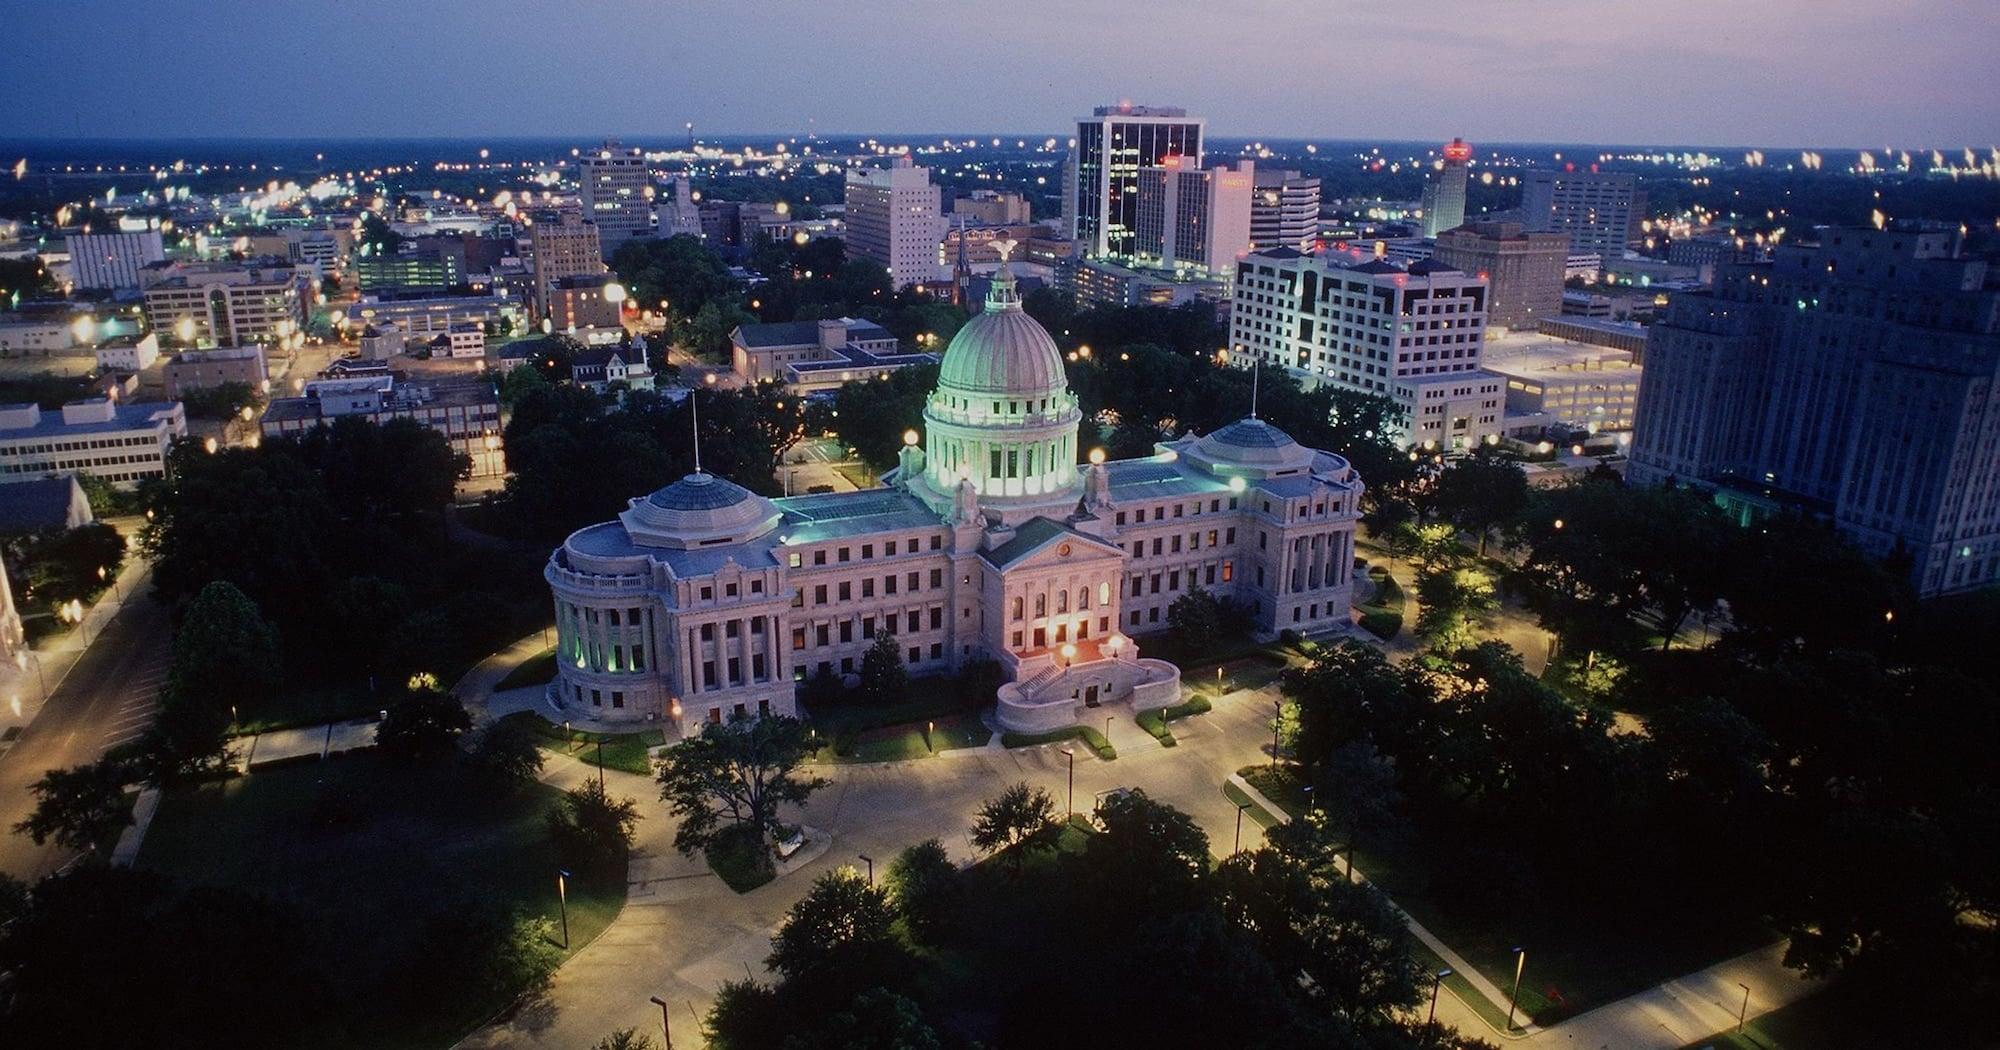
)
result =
(1707, 72)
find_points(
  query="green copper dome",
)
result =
(1003, 352)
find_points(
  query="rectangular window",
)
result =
(937, 617)
(819, 557)
(844, 552)
(868, 587)
(846, 591)
(1228, 571)
(735, 670)
(889, 584)
(867, 627)
(819, 594)
(847, 630)
(867, 550)
(798, 638)
(912, 582)
(794, 560)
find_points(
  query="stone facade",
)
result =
(704, 601)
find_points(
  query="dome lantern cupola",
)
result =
(1002, 416)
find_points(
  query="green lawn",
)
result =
(740, 861)
(915, 740)
(850, 720)
(627, 752)
(539, 669)
(1091, 738)
(375, 850)
(1574, 962)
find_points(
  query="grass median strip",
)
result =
(626, 752)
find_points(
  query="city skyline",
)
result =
(1650, 76)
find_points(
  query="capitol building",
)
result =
(704, 601)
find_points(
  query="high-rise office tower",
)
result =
(1596, 208)
(1415, 334)
(893, 217)
(112, 261)
(1444, 195)
(1101, 179)
(1192, 218)
(564, 246)
(1284, 211)
(617, 194)
(1859, 377)
(1524, 271)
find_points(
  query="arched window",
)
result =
(1062, 601)
(1104, 594)
(1041, 605)
(1082, 598)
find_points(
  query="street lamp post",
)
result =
(870, 861)
(562, 900)
(1240, 807)
(600, 765)
(1437, 981)
(1743, 1012)
(666, 1023)
(1520, 963)
(1070, 804)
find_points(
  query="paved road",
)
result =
(108, 697)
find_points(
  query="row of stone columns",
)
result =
(746, 648)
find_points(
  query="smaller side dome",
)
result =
(697, 510)
(1251, 447)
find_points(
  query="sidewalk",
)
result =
(40, 672)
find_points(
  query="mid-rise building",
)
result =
(462, 341)
(992, 539)
(113, 261)
(1859, 377)
(1101, 201)
(812, 356)
(992, 208)
(1284, 211)
(376, 274)
(228, 304)
(34, 337)
(192, 370)
(465, 411)
(429, 316)
(122, 444)
(1523, 271)
(1598, 209)
(1558, 383)
(564, 245)
(1444, 194)
(1193, 220)
(677, 215)
(617, 193)
(893, 218)
(1628, 336)
(586, 304)
(128, 353)
(1412, 333)
(1101, 282)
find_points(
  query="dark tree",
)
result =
(841, 932)
(883, 676)
(1017, 820)
(225, 654)
(735, 775)
(78, 808)
(424, 725)
(592, 830)
(1481, 492)
(507, 754)
(927, 889)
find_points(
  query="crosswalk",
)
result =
(138, 702)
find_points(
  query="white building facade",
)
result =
(894, 218)
(1415, 334)
(123, 444)
(113, 261)
(617, 194)
(704, 602)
